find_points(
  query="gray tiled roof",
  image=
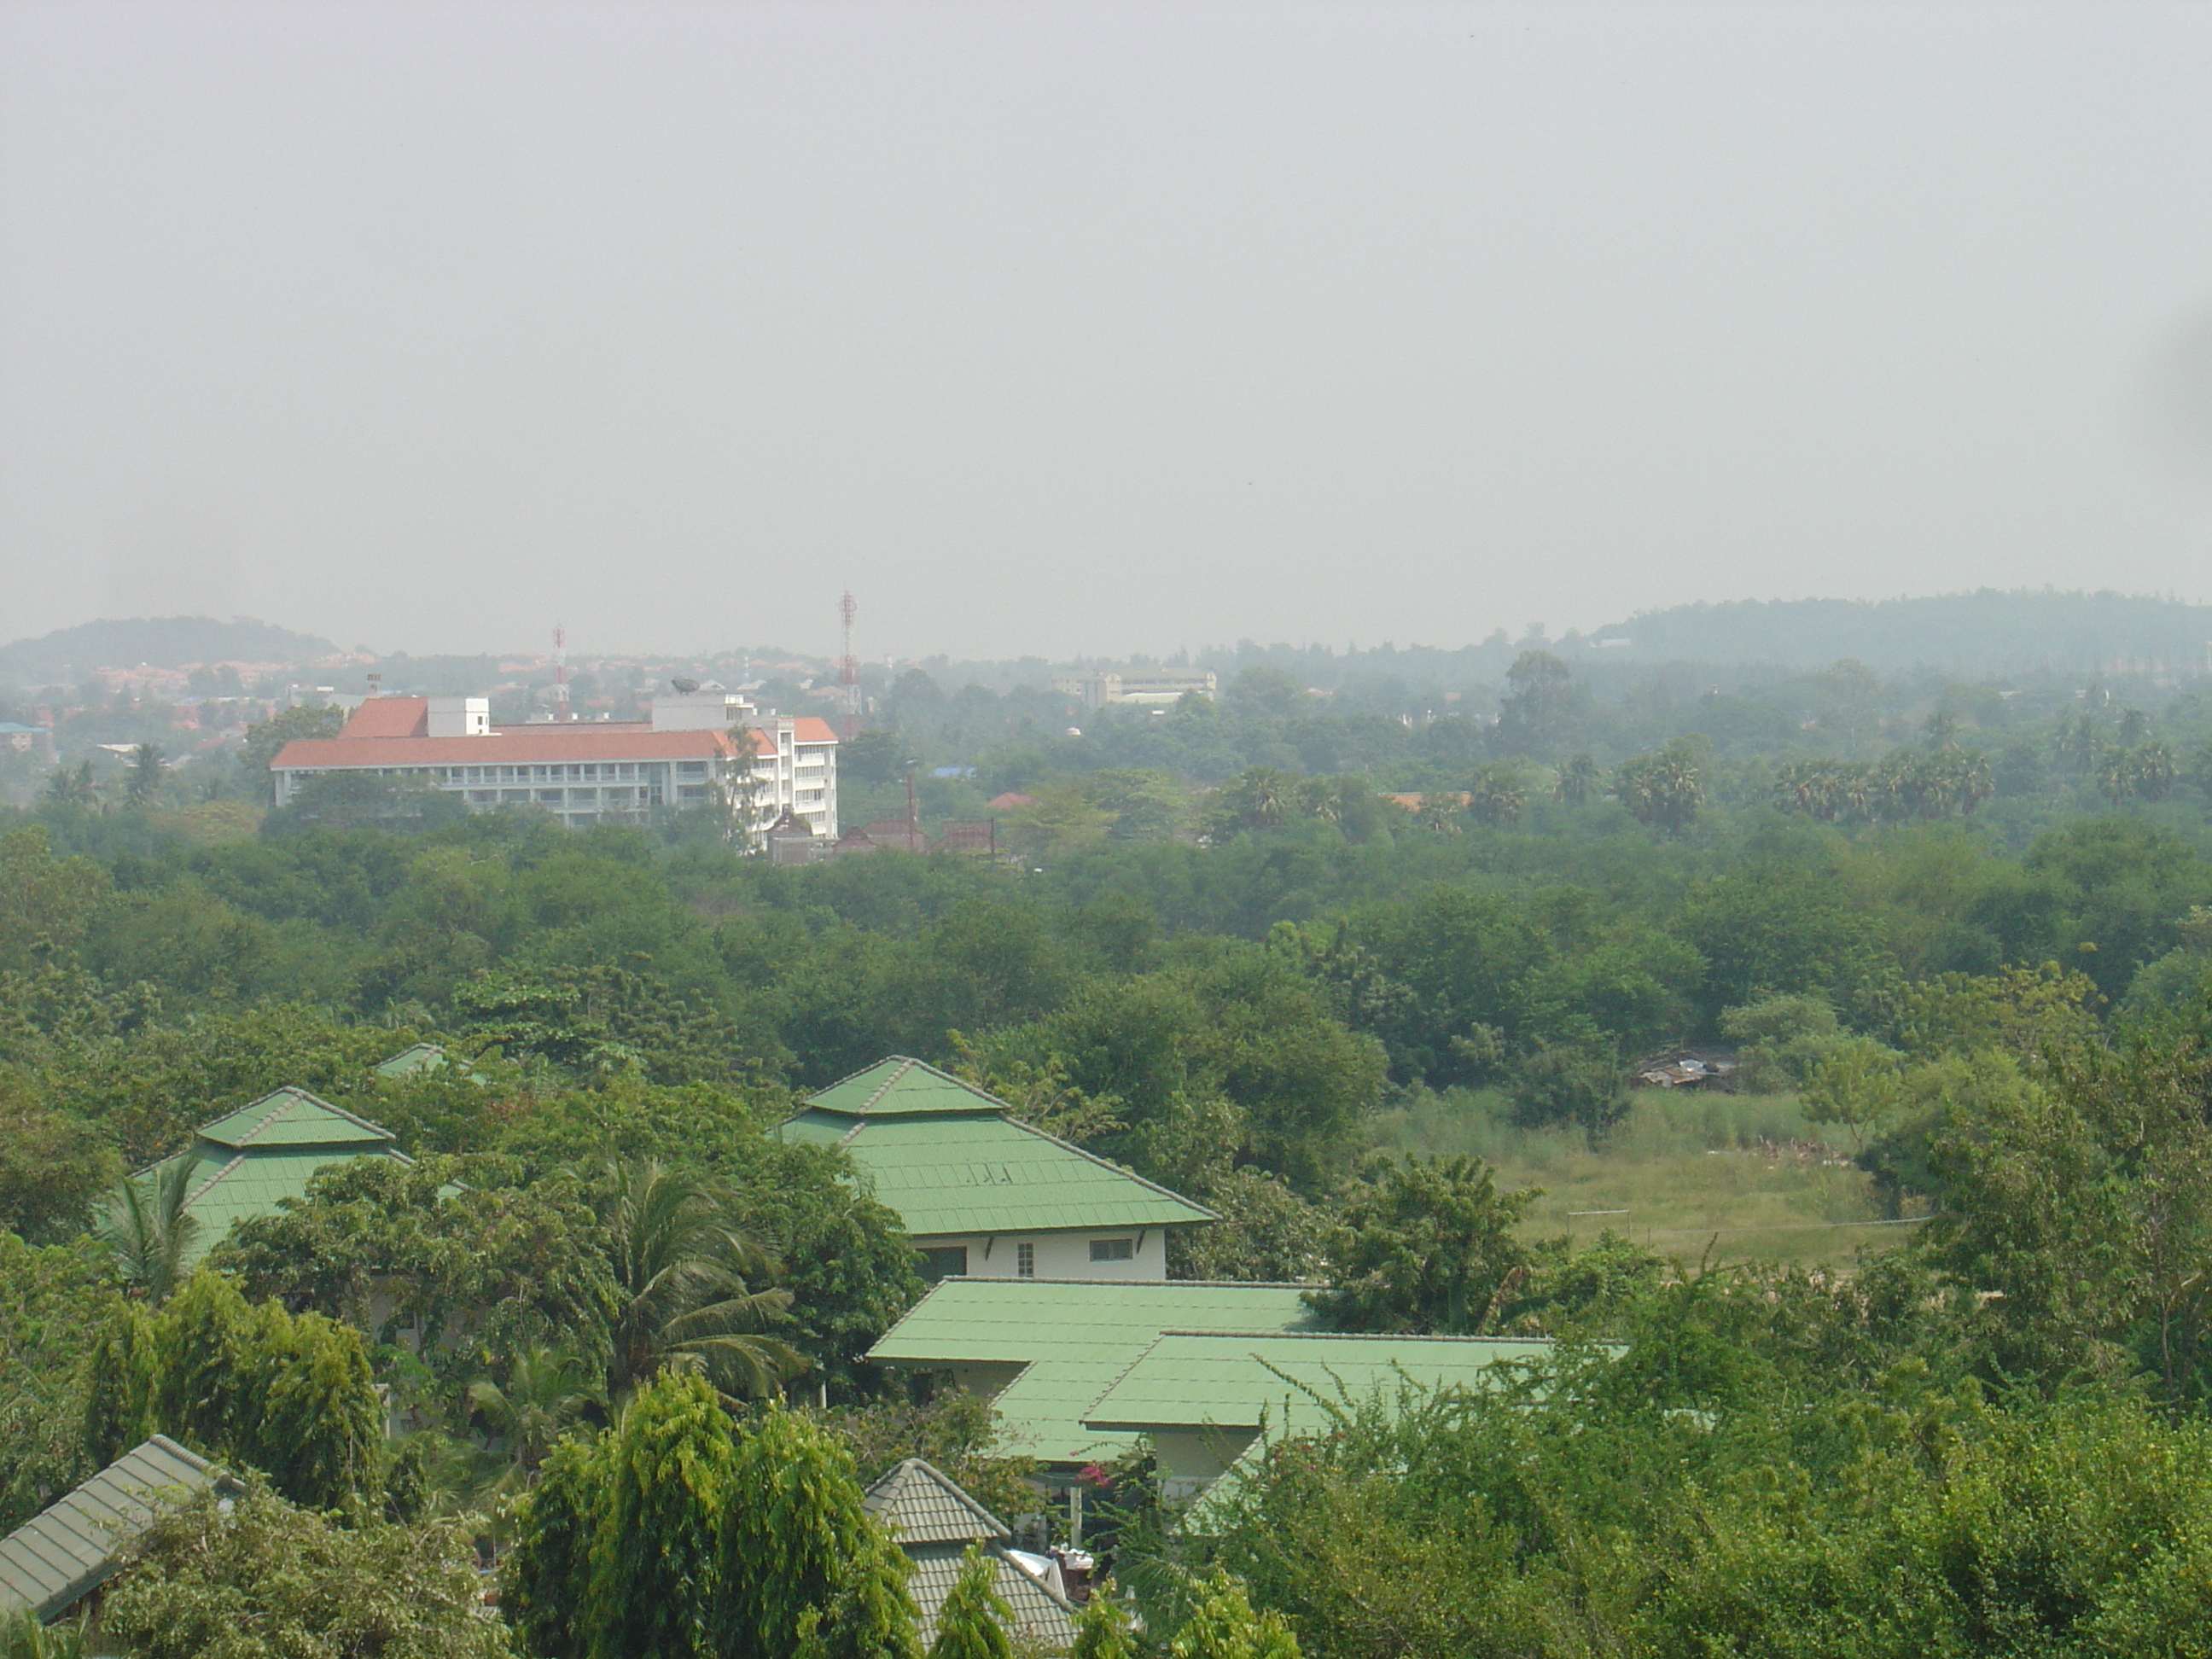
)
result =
(922, 1505)
(58, 1556)
(934, 1522)
(1039, 1615)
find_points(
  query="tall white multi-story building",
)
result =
(692, 751)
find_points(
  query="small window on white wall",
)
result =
(1025, 1261)
(944, 1261)
(1113, 1249)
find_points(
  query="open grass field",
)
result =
(1736, 1175)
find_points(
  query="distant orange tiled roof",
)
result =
(389, 717)
(393, 731)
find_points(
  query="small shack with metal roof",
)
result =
(984, 1195)
(269, 1149)
(934, 1523)
(77, 1543)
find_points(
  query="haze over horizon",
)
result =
(1091, 329)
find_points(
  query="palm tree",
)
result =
(150, 1234)
(24, 1637)
(547, 1389)
(680, 1263)
(1261, 797)
(1496, 797)
(147, 767)
(74, 786)
(1578, 781)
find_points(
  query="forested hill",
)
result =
(1962, 635)
(159, 641)
(1984, 632)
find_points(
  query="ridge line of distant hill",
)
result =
(1986, 631)
(154, 642)
(1989, 629)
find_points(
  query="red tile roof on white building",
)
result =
(387, 731)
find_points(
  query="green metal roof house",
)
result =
(421, 1057)
(985, 1196)
(934, 1522)
(267, 1150)
(1205, 1396)
(1043, 1350)
(73, 1546)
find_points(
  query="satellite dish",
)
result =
(685, 688)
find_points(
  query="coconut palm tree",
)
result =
(681, 1264)
(149, 1231)
(147, 768)
(1496, 797)
(548, 1390)
(1578, 781)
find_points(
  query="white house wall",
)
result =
(1059, 1256)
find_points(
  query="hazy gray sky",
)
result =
(1057, 328)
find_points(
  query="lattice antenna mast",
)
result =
(560, 710)
(849, 666)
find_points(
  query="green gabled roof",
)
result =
(946, 1157)
(900, 1087)
(422, 1057)
(268, 1150)
(1074, 1337)
(982, 1173)
(293, 1117)
(1238, 1379)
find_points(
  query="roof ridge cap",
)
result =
(902, 1065)
(206, 1187)
(175, 1450)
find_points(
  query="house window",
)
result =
(944, 1261)
(1113, 1249)
(1025, 1261)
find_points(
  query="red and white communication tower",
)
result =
(849, 666)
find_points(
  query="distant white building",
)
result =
(585, 772)
(1155, 687)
